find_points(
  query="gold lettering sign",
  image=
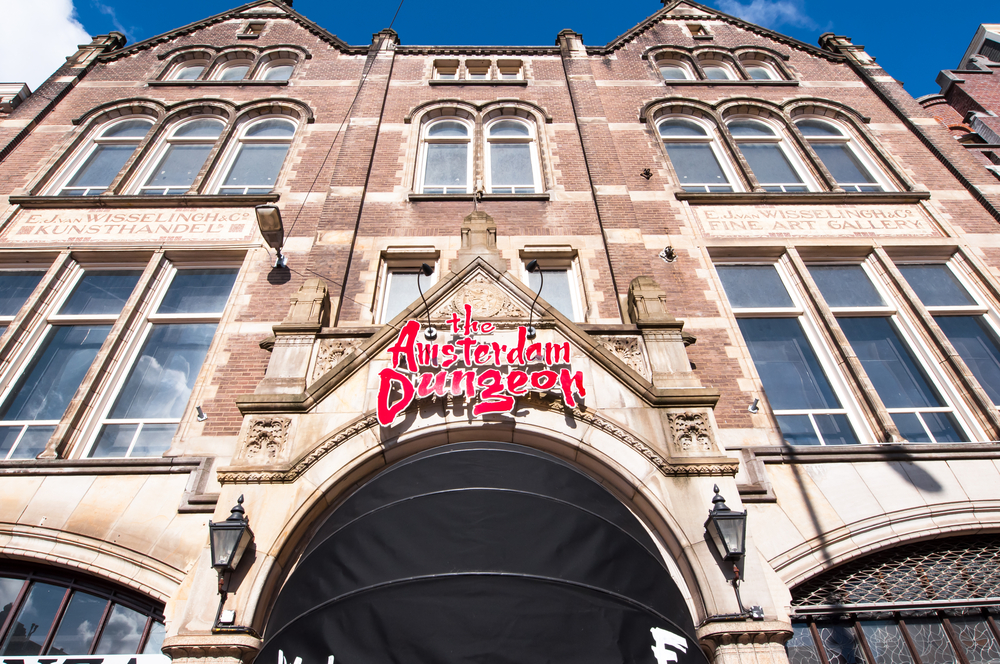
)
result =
(132, 226)
(815, 220)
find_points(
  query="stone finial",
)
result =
(479, 239)
(647, 303)
(309, 305)
(100, 44)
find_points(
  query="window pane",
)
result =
(930, 640)
(769, 163)
(510, 164)
(753, 286)
(279, 73)
(695, 163)
(34, 621)
(200, 129)
(936, 285)
(122, 633)
(842, 164)
(234, 73)
(836, 429)
(15, 288)
(154, 643)
(128, 129)
(189, 73)
(78, 626)
(978, 346)
(273, 128)
(162, 378)
(99, 293)
(797, 430)
(977, 639)
(9, 589)
(750, 129)
(788, 367)
(817, 128)
(673, 72)
(402, 293)
(841, 644)
(446, 165)
(101, 166)
(716, 73)
(448, 130)
(680, 128)
(846, 286)
(198, 292)
(556, 290)
(509, 129)
(32, 442)
(943, 427)
(54, 374)
(801, 648)
(759, 73)
(8, 436)
(153, 440)
(256, 165)
(179, 165)
(114, 441)
(890, 366)
(886, 642)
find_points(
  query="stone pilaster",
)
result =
(294, 340)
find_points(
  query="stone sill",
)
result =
(184, 200)
(725, 83)
(485, 197)
(192, 84)
(480, 81)
(148, 466)
(808, 198)
(878, 452)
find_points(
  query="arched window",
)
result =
(256, 159)
(760, 67)
(675, 70)
(717, 67)
(103, 157)
(694, 153)
(234, 70)
(768, 156)
(277, 70)
(849, 165)
(447, 163)
(511, 158)
(189, 70)
(181, 157)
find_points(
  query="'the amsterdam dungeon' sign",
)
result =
(475, 367)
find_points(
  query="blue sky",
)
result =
(912, 40)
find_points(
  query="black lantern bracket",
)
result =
(726, 529)
(229, 540)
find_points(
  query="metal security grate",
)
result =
(957, 568)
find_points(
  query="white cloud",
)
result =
(36, 38)
(768, 13)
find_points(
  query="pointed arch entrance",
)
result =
(477, 552)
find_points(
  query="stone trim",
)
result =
(474, 82)
(198, 83)
(878, 452)
(805, 198)
(544, 196)
(102, 201)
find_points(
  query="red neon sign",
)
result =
(487, 371)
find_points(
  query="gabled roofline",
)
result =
(669, 5)
(315, 29)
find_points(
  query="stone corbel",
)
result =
(662, 333)
(287, 371)
(216, 648)
(748, 642)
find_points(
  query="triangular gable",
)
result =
(674, 9)
(269, 8)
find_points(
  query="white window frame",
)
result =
(683, 65)
(720, 63)
(847, 138)
(232, 64)
(478, 64)
(531, 141)
(509, 70)
(557, 259)
(469, 157)
(44, 327)
(819, 347)
(781, 140)
(772, 71)
(274, 64)
(96, 140)
(711, 138)
(237, 140)
(910, 336)
(153, 157)
(447, 70)
(402, 260)
(178, 67)
(123, 368)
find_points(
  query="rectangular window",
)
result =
(903, 382)
(509, 69)
(478, 70)
(15, 289)
(446, 70)
(962, 318)
(798, 388)
(557, 278)
(145, 413)
(48, 381)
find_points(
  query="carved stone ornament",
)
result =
(486, 299)
(690, 433)
(330, 353)
(266, 441)
(629, 351)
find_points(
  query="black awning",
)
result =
(475, 553)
